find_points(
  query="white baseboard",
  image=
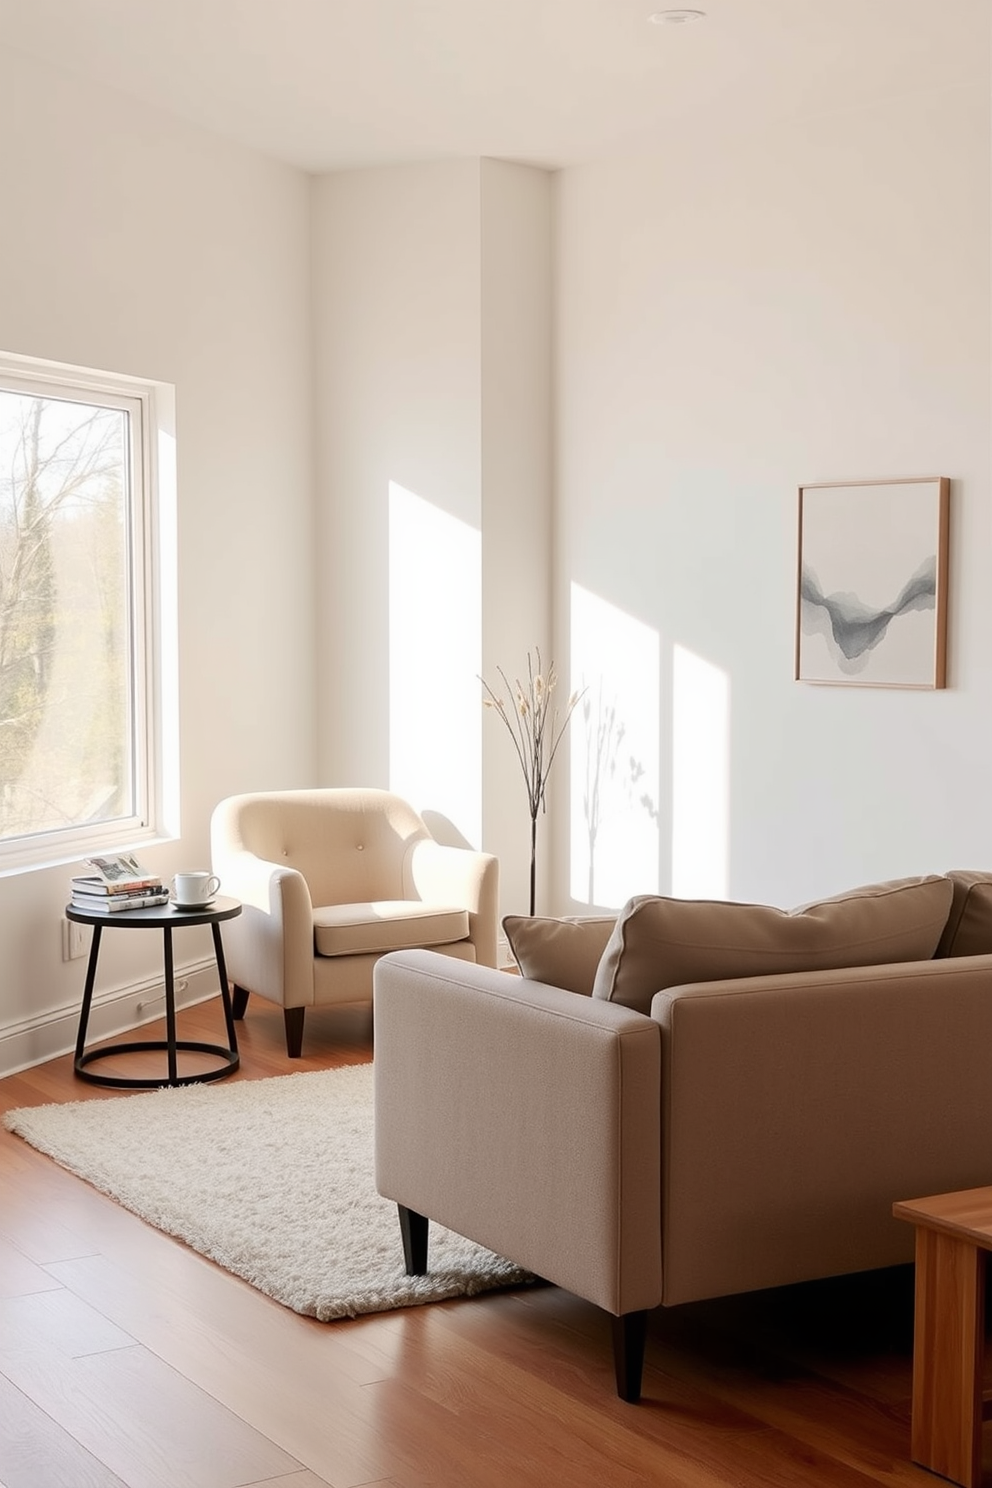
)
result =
(36, 1040)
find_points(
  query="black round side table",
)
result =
(164, 917)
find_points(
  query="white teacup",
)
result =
(191, 889)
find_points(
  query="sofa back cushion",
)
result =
(563, 952)
(968, 931)
(659, 942)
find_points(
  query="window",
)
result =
(85, 489)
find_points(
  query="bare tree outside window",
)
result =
(66, 725)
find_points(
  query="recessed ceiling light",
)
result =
(675, 17)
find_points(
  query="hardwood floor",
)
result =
(127, 1359)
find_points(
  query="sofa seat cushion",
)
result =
(968, 931)
(660, 942)
(563, 952)
(386, 925)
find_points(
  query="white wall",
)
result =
(137, 244)
(432, 297)
(517, 486)
(728, 323)
(811, 305)
(396, 321)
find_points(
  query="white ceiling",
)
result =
(332, 84)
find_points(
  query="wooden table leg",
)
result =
(948, 1356)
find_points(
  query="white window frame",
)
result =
(153, 683)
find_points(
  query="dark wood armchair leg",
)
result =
(294, 1031)
(629, 1338)
(413, 1228)
(239, 1001)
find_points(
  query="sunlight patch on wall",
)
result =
(700, 777)
(435, 657)
(614, 753)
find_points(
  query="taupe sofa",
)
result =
(729, 1132)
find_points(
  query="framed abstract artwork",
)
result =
(872, 593)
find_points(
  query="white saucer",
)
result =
(204, 904)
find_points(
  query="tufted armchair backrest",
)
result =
(351, 845)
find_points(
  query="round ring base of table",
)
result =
(231, 1059)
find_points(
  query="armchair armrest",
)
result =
(525, 1118)
(458, 876)
(269, 948)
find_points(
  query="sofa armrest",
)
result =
(461, 877)
(523, 1117)
(269, 948)
(797, 1108)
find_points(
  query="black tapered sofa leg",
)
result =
(294, 1031)
(629, 1338)
(413, 1228)
(239, 1001)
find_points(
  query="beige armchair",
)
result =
(332, 879)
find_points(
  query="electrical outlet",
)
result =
(73, 940)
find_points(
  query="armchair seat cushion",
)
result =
(386, 925)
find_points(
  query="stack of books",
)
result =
(117, 883)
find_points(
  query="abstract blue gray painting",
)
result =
(870, 582)
(851, 628)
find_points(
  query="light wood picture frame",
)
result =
(871, 606)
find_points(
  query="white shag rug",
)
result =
(273, 1180)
